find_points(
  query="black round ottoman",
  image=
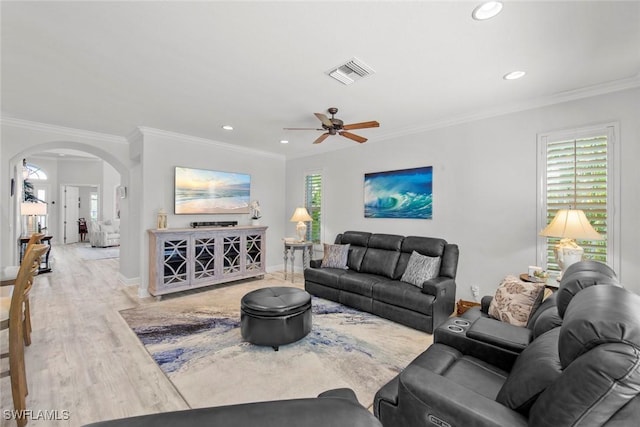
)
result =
(275, 316)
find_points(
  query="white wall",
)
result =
(162, 151)
(484, 186)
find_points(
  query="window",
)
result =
(313, 203)
(94, 206)
(578, 170)
(32, 171)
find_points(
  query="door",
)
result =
(70, 215)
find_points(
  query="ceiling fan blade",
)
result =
(321, 138)
(363, 125)
(353, 136)
(324, 119)
(302, 129)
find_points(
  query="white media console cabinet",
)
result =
(181, 259)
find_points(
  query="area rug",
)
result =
(196, 341)
(89, 253)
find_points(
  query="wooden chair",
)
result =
(8, 281)
(16, 325)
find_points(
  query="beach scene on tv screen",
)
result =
(200, 191)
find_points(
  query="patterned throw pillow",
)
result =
(421, 268)
(515, 300)
(335, 256)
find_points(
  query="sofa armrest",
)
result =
(439, 286)
(310, 412)
(426, 395)
(315, 263)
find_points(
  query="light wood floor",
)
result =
(84, 359)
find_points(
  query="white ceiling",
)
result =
(191, 67)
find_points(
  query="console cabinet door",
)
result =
(205, 250)
(254, 256)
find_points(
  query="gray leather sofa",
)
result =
(584, 372)
(333, 408)
(372, 282)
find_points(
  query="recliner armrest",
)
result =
(502, 334)
(438, 286)
(425, 395)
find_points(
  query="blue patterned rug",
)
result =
(196, 341)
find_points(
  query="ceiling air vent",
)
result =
(350, 71)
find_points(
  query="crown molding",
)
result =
(65, 131)
(208, 142)
(557, 98)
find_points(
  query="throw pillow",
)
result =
(515, 300)
(335, 256)
(420, 268)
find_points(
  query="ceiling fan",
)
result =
(335, 126)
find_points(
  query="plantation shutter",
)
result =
(313, 203)
(577, 177)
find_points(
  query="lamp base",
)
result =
(301, 231)
(567, 253)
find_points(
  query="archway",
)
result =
(15, 165)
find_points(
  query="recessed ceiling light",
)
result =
(284, 141)
(486, 10)
(514, 75)
(227, 127)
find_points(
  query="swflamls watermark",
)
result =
(37, 414)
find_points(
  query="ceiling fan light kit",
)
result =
(334, 126)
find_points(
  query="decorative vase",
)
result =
(255, 221)
(162, 219)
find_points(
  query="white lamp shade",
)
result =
(33, 208)
(571, 224)
(301, 214)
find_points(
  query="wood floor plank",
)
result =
(84, 359)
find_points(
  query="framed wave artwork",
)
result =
(405, 193)
(199, 191)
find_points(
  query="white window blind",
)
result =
(313, 203)
(577, 171)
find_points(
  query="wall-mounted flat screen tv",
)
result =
(200, 191)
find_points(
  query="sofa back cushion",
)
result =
(428, 246)
(599, 352)
(382, 255)
(357, 241)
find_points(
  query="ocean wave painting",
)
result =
(406, 193)
(199, 191)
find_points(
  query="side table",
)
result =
(289, 253)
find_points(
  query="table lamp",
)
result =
(32, 210)
(301, 216)
(568, 225)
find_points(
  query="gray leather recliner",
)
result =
(585, 372)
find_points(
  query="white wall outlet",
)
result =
(475, 291)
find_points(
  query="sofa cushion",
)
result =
(421, 268)
(335, 256)
(382, 254)
(359, 283)
(537, 367)
(325, 276)
(402, 294)
(515, 300)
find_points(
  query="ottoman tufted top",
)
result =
(275, 301)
